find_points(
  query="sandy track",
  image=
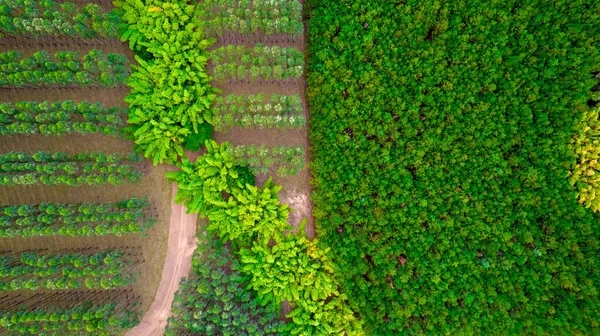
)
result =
(181, 246)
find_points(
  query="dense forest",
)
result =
(448, 140)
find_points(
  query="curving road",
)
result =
(181, 246)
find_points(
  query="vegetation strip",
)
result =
(59, 118)
(133, 215)
(94, 168)
(48, 18)
(105, 269)
(64, 68)
(170, 94)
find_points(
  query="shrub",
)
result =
(194, 140)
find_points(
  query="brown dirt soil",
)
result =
(182, 243)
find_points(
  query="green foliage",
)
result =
(586, 146)
(87, 219)
(299, 271)
(201, 184)
(324, 317)
(194, 140)
(59, 118)
(262, 18)
(48, 18)
(284, 160)
(213, 300)
(294, 270)
(440, 143)
(212, 187)
(85, 319)
(106, 269)
(261, 63)
(245, 175)
(252, 111)
(91, 168)
(170, 94)
(249, 213)
(252, 219)
(66, 68)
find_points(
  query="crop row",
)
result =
(105, 269)
(257, 104)
(59, 118)
(252, 17)
(90, 219)
(48, 18)
(18, 168)
(65, 68)
(288, 160)
(87, 318)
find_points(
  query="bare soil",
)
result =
(182, 243)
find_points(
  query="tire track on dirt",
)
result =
(181, 246)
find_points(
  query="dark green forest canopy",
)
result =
(440, 137)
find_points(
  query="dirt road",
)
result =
(182, 243)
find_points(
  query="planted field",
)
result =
(84, 219)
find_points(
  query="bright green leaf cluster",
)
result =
(202, 183)
(325, 317)
(295, 270)
(250, 213)
(299, 271)
(212, 186)
(170, 92)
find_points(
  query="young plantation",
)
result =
(83, 218)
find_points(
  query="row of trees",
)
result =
(64, 68)
(259, 55)
(232, 72)
(93, 168)
(133, 215)
(287, 160)
(257, 18)
(48, 18)
(69, 312)
(261, 63)
(280, 111)
(224, 122)
(106, 269)
(258, 104)
(59, 118)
